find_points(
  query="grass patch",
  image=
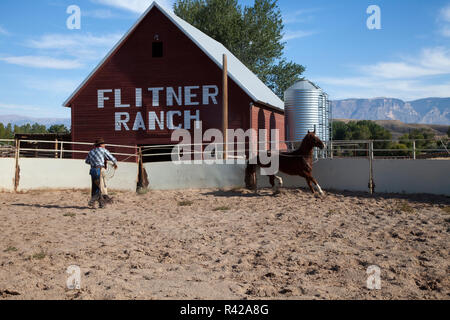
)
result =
(41, 255)
(405, 207)
(446, 209)
(69, 214)
(222, 208)
(185, 203)
(10, 249)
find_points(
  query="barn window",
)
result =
(157, 49)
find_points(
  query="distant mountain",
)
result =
(427, 111)
(21, 120)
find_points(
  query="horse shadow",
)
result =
(232, 193)
(419, 198)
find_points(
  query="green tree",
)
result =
(253, 34)
(9, 131)
(363, 130)
(340, 131)
(424, 139)
(58, 128)
(38, 128)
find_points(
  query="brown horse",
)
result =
(297, 163)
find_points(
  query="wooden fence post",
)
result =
(17, 173)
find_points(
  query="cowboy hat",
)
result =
(99, 141)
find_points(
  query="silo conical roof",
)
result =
(304, 85)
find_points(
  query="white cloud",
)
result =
(74, 42)
(84, 47)
(59, 86)
(445, 14)
(3, 31)
(408, 79)
(357, 87)
(62, 51)
(291, 35)
(17, 107)
(299, 16)
(42, 62)
(445, 31)
(431, 61)
(99, 14)
(137, 6)
(444, 21)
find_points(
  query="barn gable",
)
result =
(237, 71)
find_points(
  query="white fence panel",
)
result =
(69, 173)
(125, 177)
(412, 176)
(7, 173)
(167, 175)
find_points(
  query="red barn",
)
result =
(162, 75)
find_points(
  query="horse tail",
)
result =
(250, 176)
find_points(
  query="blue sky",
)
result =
(42, 62)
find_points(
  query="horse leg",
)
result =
(318, 187)
(308, 181)
(275, 186)
(280, 181)
(250, 177)
(272, 181)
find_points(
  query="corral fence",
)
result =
(375, 149)
(391, 149)
(380, 149)
(360, 165)
(28, 148)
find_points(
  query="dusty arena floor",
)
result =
(210, 244)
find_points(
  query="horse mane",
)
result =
(305, 148)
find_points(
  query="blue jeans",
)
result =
(95, 178)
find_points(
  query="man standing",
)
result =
(97, 158)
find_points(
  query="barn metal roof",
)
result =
(237, 71)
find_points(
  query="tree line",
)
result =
(369, 130)
(8, 131)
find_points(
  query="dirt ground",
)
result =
(218, 244)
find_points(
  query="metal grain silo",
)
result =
(301, 107)
(306, 108)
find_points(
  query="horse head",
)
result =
(314, 140)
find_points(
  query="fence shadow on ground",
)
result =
(420, 198)
(413, 197)
(50, 206)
